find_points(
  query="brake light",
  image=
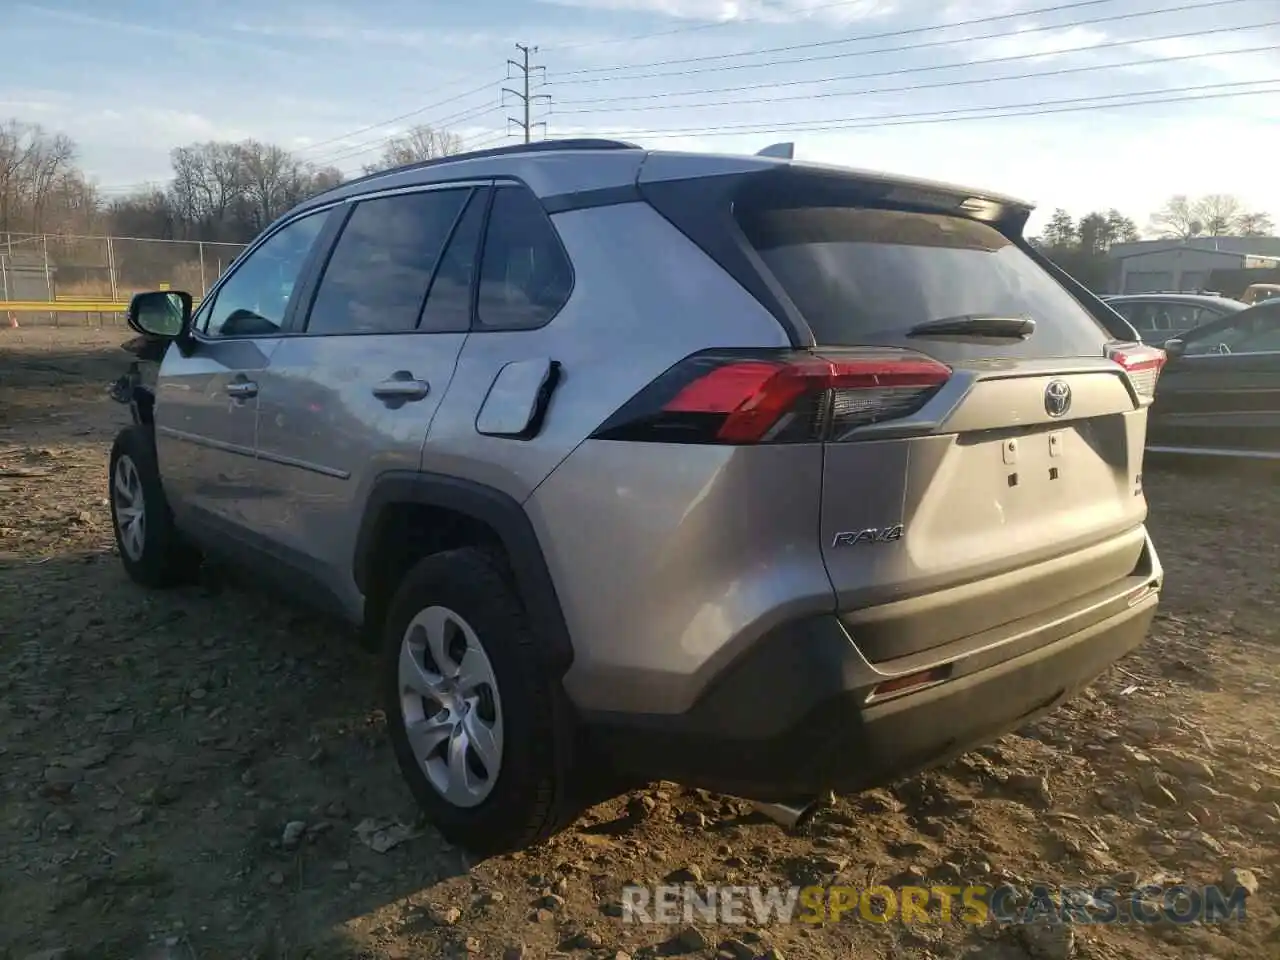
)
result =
(1143, 365)
(776, 398)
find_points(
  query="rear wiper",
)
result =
(976, 325)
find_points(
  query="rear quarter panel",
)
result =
(644, 297)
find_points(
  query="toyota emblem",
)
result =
(1057, 398)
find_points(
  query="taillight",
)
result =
(1143, 365)
(769, 397)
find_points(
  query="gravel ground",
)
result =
(201, 773)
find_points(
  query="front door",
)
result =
(1223, 393)
(207, 398)
(352, 392)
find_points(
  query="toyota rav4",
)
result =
(761, 476)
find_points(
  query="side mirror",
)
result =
(1175, 347)
(163, 314)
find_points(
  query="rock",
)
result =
(830, 864)
(292, 836)
(552, 901)
(1163, 850)
(1240, 878)
(639, 808)
(275, 878)
(1031, 785)
(56, 953)
(382, 835)
(340, 866)
(1124, 880)
(515, 951)
(1045, 940)
(1144, 729)
(733, 949)
(690, 940)
(336, 810)
(61, 779)
(588, 940)
(773, 953)
(1153, 790)
(691, 873)
(1181, 764)
(443, 916)
(694, 818)
(878, 801)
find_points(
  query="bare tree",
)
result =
(1176, 219)
(41, 189)
(1255, 225)
(1218, 213)
(420, 143)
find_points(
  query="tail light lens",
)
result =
(1143, 365)
(740, 398)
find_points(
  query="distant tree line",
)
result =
(218, 191)
(221, 191)
(1080, 246)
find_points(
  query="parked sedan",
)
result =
(1158, 316)
(1219, 393)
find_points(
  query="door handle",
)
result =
(402, 386)
(241, 389)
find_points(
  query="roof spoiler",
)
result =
(781, 151)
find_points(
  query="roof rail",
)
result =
(536, 146)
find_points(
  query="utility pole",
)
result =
(526, 98)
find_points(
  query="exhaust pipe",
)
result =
(789, 815)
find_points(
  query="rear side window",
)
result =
(867, 276)
(377, 278)
(525, 276)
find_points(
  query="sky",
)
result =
(1047, 100)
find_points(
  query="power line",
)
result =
(901, 71)
(909, 88)
(404, 116)
(694, 28)
(354, 150)
(907, 31)
(526, 98)
(899, 49)
(949, 116)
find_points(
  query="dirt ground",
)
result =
(193, 774)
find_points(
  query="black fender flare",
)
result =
(498, 511)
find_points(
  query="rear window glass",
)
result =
(867, 276)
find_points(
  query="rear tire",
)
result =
(152, 550)
(481, 731)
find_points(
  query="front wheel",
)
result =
(480, 730)
(151, 549)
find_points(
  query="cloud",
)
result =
(146, 29)
(1217, 54)
(1034, 42)
(335, 28)
(730, 11)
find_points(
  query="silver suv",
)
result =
(760, 476)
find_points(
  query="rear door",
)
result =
(352, 393)
(1222, 395)
(1017, 486)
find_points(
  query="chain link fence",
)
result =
(59, 268)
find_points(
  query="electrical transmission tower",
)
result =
(526, 98)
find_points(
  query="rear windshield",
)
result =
(867, 276)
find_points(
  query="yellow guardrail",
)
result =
(64, 306)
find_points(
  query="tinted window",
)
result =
(525, 277)
(255, 297)
(377, 279)
(863, 276)
(449, 302)
(1251, 331)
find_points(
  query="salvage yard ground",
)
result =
(199, 774)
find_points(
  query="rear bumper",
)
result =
(792, 718)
